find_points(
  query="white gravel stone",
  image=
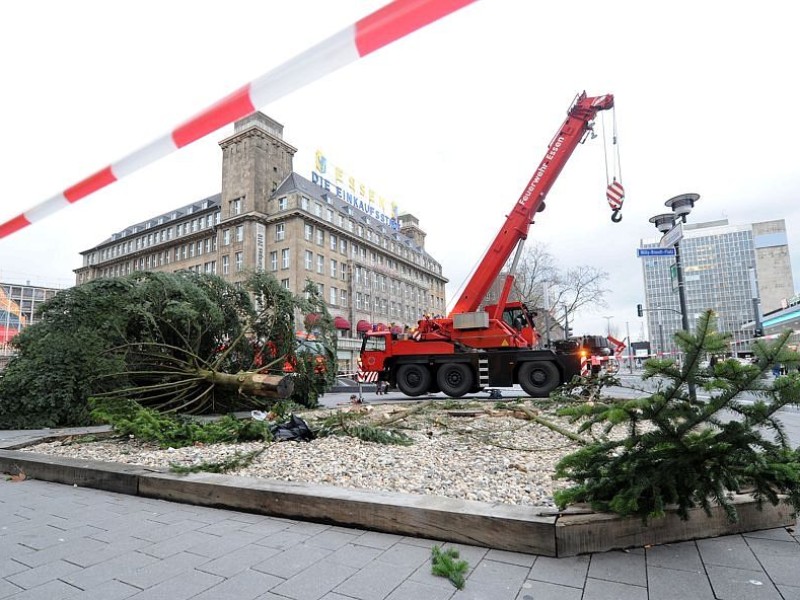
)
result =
(493, 457)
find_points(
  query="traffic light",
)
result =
(569, 332)
(639, 310)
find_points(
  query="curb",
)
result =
(531, 530)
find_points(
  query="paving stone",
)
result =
(116, 567)
(110, 590)
(501, 576)
(770, 547)
(62, 551)
(125, 545)
(476, 590)
(683, 556)
(741, 584)
(570, 571)
(353, 555)
(673, 584)
(513, 558)
(784, 570)
(331, 539)
(728, 551)
(40, 575)
(405, 555)
(292, 561)
(789, 592)
(52, 590)
(375, 581)
(9, 567)
(180, 587)
(314, 582)
(162, 570)
(219, 546)
(7, 588)
(413, 590)
(539, 590)
(180, 543)
(621, 567)
(238, 560)
(779, 534)
(597, 589)
(245, 585)
(284, 539)
(384, 541)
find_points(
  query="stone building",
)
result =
(370, 267)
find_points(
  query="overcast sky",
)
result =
(449, 122)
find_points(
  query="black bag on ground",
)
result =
(294, 430)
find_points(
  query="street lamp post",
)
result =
(608, 324)
(671, 226)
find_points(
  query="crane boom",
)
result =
(515, 229)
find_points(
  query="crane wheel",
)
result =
(454, 379)
(413, 380)
(538, 378)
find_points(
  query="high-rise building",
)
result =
(18, 306)
(732, 269)
(369, 264)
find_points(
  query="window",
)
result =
(304, 203)
(308, 232)
(343, 247)
(285, 258)
(318, 209)
(225, 264)
(273, 260)
(283, 203)
(343, 297)
(309, 260)
(334, 241)
(240, 233)
(320, 237)
(285, 284)
(239, 260)
(320, 263)
(329, 215)
(333, 296)
(280, 232)
(236, 207)
(226, 237)
(334, 265)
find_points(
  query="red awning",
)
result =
(363, 326)
(341, 323)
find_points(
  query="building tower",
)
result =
(371, 271)
(719, 261)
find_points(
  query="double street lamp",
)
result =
(671, 226)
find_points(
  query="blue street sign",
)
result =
(655, 252)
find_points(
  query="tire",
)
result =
(538, 378)
(413, 380)
(454, 379)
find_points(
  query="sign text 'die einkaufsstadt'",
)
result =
(640, 252)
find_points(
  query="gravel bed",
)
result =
(494, 456)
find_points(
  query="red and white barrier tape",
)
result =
(392, 22)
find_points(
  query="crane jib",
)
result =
(551, 154)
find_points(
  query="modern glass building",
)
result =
(734, 270)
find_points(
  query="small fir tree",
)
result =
(683, 451)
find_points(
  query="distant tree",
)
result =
(568, 292)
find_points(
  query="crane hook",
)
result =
(615, 216)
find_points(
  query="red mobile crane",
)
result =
(472, 349)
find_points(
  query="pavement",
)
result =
(59, 541)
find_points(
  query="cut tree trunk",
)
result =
(255, 384)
